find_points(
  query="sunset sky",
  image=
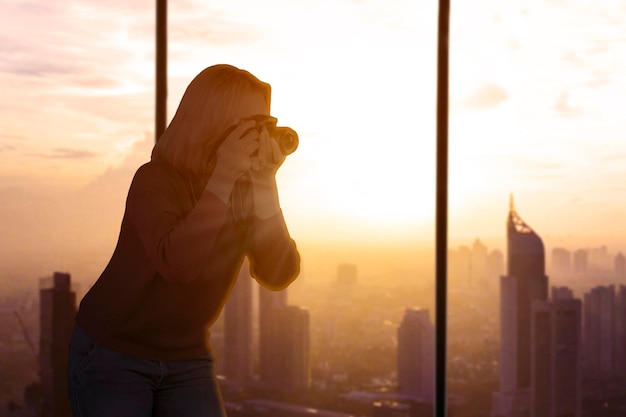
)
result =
(538, 109)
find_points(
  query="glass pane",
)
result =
(536, 316)
(356, 80)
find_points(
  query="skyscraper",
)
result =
(57, 312)
(271, 304)
(238, 329)
(478, 265)
(524, 283)
(556, 358)
(619, 266)
(620, 331)
(289, 361)
(561, 261)
(416, 353)
(599, 331)
(562, 293)
(459, 265)
(580, 261)
(495, 266)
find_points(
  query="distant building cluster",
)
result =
(584, 263)
(475, 266)
(283, 343)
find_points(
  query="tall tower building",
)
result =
(238, 329)
(561, 261)
(478, 272)
(271, 305)
(460, 266)
(524, 283)
(599, 331)
(620, 331)
(562, 293)
(581, 261)
(290, 346)
(416, 355)
(495, 265)
(619, 265)
(556, 358)
(57, 312)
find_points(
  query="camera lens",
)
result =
(287, 140)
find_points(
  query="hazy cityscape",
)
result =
(537, 299)
(349, 346)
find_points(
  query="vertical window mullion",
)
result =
(441, 215)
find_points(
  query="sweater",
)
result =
(175, 262)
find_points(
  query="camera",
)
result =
(286, 137)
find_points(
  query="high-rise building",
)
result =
(561, 261)
(57, 312)
(599, 258)
(524, 283)
(495, 266)
(416, 355)
(620, 331)
(271, 304)
(599, 331)
(556, 358)
(561, 293)
(581, 261)
(289, 360)
(619, 265)
(238, 329)
(459, 266)
(478, 264)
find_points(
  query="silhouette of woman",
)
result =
(206, 200)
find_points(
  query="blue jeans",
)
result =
(105, 383)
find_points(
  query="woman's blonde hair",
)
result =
(206, 110)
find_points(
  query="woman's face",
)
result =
(253, 104)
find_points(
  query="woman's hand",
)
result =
(263, 173)
(233, 159)
(269, 156)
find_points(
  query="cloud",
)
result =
(612, 156)
(11, 137)
(117, 179)
(54, 223)
(66, 153)
(70, 43)
(563, 107)
(35, 68)
(487, 96)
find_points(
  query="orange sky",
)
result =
(538, 92)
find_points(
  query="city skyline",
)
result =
(532, 112)
(550, 330)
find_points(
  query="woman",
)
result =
(207, 199)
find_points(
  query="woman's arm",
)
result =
(176, 242)
(274, 257)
